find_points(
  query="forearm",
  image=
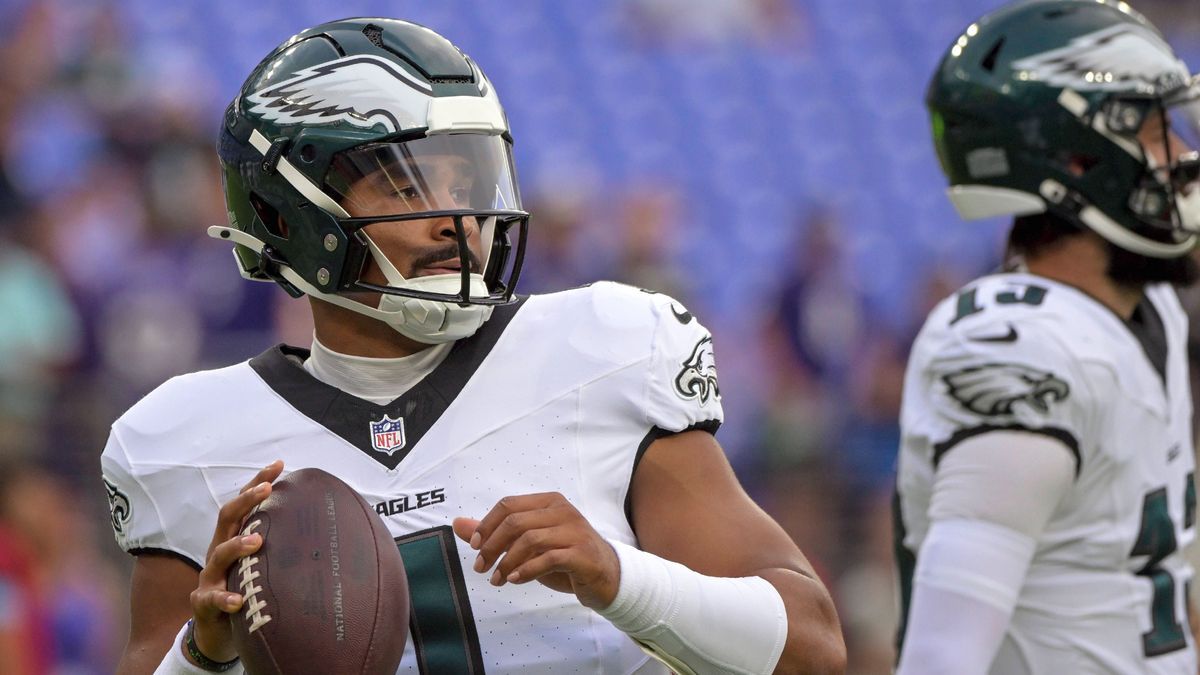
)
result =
(967, 582)
(703, 624)
(951, 634)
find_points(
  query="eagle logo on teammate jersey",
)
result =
(994, 388)
(698, 378)
(387, 435)
(360, 90)
(118, 506)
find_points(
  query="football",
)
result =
(327, 592)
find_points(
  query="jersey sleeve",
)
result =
(682, 388)
(157, 507)
(1000, 377)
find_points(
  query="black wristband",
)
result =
(198, 657)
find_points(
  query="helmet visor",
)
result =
(1172, 143)
(1168, 196)
(437, 173)
(464, 181)
(1183, 114)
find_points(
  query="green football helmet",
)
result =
(395, 106)
(1055, 105)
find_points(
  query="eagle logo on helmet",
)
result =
(994, 388)
(118, 506)
(698, 378)
(361, 90)
(1112, 59)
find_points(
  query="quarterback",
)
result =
(546, 464)
(1046, 472)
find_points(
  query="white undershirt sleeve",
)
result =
(697, 624)
(1011, 478)
(993, 496)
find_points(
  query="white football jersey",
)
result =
(560, 392)
(1107, 589)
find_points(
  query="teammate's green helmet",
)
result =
(344, 102)
(1051, 105)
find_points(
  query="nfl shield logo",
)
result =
(387, 435)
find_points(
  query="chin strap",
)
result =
(257, 245)
(427, 321)
(1057, 193)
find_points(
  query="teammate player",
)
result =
(1046, 471)
(564, 439)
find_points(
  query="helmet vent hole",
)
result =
(374, 34)
(269, 217)
(989, 60)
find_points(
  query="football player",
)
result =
(1045, 486)
(546, 464)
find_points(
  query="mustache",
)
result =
(442, 254)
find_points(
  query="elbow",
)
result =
(823, 654)
(833, 657)
(815, 645)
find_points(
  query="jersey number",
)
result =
(1156, 539)
(443, 628)
(967, 303)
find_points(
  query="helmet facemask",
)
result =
(459, 186)
(1168, 196)
(1138, 188)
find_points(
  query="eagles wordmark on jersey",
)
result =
(1107, 588)
(587, 378)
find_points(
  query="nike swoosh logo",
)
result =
(684, 318)
(1174, 452)
(1010, 336)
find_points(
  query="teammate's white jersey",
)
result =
(1106, 591)
(562, 393)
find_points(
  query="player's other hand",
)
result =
(211, 601)
(543, 537)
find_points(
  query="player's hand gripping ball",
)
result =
(327, 592)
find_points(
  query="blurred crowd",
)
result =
(109, 285)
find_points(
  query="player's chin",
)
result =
(1133, 269)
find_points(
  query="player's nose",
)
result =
(444, 227)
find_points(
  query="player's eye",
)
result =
(406, 192)
(461, 195)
